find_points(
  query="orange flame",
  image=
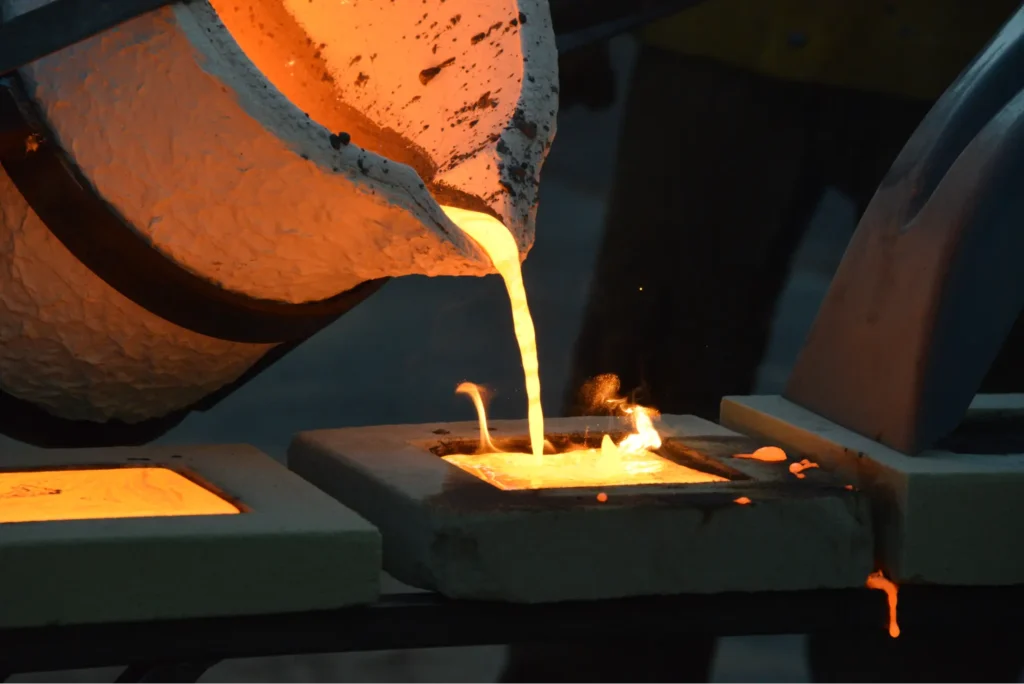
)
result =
(629, 462)
(473, 392)
(877, 580)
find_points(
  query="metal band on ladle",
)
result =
(98, 236)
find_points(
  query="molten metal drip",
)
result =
(501, 247)
(877, 580)
(103, 493)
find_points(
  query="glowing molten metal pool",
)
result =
(630, 462)
(583, 468)
(103, 493)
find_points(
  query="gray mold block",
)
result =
(939, 517)
(448, 531)
(291, 548)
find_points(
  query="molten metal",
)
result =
(501, 247)
(630, 462)
(103, 493)
(768, 454)
(877, 580)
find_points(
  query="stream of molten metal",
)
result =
(501, 247)
(631, 461)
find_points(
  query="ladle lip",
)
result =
(312, 142)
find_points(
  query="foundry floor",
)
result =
(398, 358)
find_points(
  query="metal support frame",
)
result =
(181, 649)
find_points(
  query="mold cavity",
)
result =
(104, 493)
(574, 461)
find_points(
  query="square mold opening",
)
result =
(106, 492)
(750, 526)
(162, 532)
(579, 460)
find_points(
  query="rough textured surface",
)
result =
(74, 346)
(471, 82)
(939, 517)
(293, 549)
(179, 131)
(183, 135)
(443, 529)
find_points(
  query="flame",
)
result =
(473, 392)
(645, 437)
(877, 580)
(631, 461)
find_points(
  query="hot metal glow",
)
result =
(877, 580)
(102, 493)
(630, 462)
(582, 468)
(501, 247)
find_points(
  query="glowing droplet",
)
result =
(602, 497)
(799, 468)
(877, 580)
(742, 501)
(768, 454)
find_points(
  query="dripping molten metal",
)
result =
(877, 580)
(631, 461)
